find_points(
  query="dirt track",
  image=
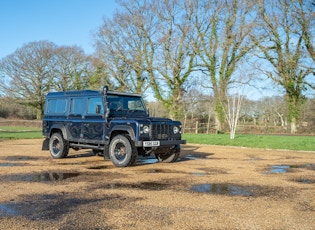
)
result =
(210, 187)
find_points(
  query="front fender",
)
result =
(124, 128)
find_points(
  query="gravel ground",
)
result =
(209, 187)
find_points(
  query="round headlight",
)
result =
(175, 129)
(146, 129)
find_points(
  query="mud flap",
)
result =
(45, 145)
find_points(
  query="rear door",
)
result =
(76, 114)
(94, 121)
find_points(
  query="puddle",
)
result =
(223, 189)
(199, 173)
(9, 164)
(305, 181)
(22, 158)
(7, 210)
(45, 177)
(146, 160)
(152, 186)
(280, 168)
(287, 168)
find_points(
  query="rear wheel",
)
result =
(122, 151)
(170, 156)
(58, 146)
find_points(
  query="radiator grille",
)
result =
(160, 131)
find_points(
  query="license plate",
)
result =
(151, 143)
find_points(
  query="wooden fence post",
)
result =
(196, 127)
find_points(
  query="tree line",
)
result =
(173, 48)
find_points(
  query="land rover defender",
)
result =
(114, 124)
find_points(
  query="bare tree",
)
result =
(170, 62)
(26, 74)
(304, 13)
(283, 49)
(73, 69)
(121, 44)
(223, 41)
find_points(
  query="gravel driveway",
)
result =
(209, 187)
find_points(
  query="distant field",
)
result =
(306, 143)
(18, 132)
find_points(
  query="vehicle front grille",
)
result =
(160, 131)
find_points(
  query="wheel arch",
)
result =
(59, 128)
(123, 129)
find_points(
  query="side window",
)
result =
(77, 106)
(57, 106)
(95, 105)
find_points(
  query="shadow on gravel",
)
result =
(53, 207)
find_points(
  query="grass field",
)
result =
(17, 132)
(306, 143)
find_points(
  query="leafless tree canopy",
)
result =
(187, 53)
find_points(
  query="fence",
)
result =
(199, 127)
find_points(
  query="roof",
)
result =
(88, 93)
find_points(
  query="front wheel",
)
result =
(122, 152)
(58, 146)
(170, 156)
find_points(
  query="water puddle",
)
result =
(7, 210)
(146, 160)
(45, 177)
(9, 164)
(152, 186)
(22, 158)
(199, 173)
(223, 189)
(305, 181)
(280, 168)
(287, 168)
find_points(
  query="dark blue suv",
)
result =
(116, 125)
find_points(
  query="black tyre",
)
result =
(170, 156)
(122, 152)
(58, 146)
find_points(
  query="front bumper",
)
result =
(162, 143)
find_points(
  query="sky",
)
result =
(63, 22)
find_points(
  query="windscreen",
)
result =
(125, 103)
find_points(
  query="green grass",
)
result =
(306, 143)
(17, 132)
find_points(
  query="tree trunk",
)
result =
(293, 126)
(218, 124)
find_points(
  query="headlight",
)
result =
(175, 130)
(146, 129)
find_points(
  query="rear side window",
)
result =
(56, 106)
(77, 106)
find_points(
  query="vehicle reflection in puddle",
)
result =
(223, 189)
(146, 160)
(45, 177)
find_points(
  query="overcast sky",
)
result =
(64, 22)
